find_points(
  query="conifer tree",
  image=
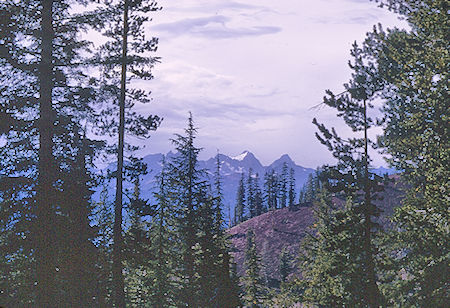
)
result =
(414, 65)
(254, 289)
(311, 189)
(78, 252)
(200, 242)
(189, 189)
(259, 206)
(103, 223)
(283, 186)
(137, 244)
(240, 202)
(271, 190)
(291, 195)
(251, 204)
(124, 57)
(44, 112)
(351, 176)
(163, 231)
(330, 257)
(226, 293)
(284, 265)
(218, 208)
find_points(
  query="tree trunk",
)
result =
(373, 295)
(118, 280)
(45, 245)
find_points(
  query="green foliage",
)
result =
(350, 179)
(291, 193)
(285, 264)
(254, 288)
(271, 190)
(414, 65)
(203, 268)
(311, 189)
(331, 258)
(283, 187)
(46, 104)
(240, 202)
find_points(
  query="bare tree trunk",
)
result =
(118, 279)
(45, 251)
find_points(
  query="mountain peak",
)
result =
(283, 159)
(243, 155)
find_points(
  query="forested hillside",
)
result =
(75, 83)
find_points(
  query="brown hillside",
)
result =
(286, 227)
(273, 231)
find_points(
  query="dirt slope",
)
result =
(286, 227)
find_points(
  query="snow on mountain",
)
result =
(241, 156)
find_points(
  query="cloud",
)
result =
(353, 17)
(213, 27)
(216, 6)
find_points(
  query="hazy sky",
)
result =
(251, 70)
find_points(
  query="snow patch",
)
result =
(241, 156)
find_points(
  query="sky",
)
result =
(250, 71)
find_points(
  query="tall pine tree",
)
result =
(44, 112)
(414, 65)
(351, 176)
(124, 57)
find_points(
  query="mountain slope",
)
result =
(286, 228)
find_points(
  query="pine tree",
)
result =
(259, 206)
(285, 266)
(226, 287)
(199, 241)
(351, 176)
(103, 223)
(125, 56)
(189, 189)
(271, 190)
(330, 258)
(240, 202)
(163, 231)
(311, 189)
(78, 251)
(283, 186)
(218, 208)
(44, 111)
(251, 204)
(137, 244)
(254, 289)
(414, 65)
(291, 195)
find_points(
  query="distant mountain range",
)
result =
(231, 170)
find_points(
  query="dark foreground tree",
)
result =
(203, 267)
(124, 57)
(415, 65)
(355, 222)
(45, 104)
